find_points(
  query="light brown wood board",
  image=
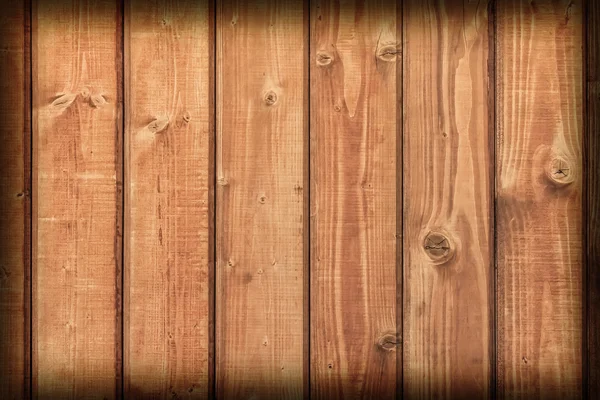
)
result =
(168, 200)
(539, 198)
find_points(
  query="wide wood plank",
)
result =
(539, 199)
(169, 184)
(260, 207)
(592, 209)
(448, 203)
(76, 204)
(14, 200)
(355, 116)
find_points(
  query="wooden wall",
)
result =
(286, 199)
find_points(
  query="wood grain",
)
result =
(354, 61)
(169, 185)
(539, 200)
(14, 200)
(260, 205)
(448, 204)
(592, 185)
(76, 205)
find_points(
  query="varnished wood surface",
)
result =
(15, 217)
(260, 202)
(76, 204)
(354, 63)
(592, 184)
(312, 197)
(539, 184)
(448, 203)
(168, 234)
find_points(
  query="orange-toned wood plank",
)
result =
(169, 181)
(448, 201)
(76, 205)
(355, 119)
(592, 172)
(539, 200)
(14, 201)
(260, 207)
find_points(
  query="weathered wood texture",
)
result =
(592, 173)
(169, 183)
(355, 63)
(448, 203)
(14, 201)
(76, 204)
(539, 201)
(260, 202)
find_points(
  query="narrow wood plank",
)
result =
(76, 205)
(260, 206)
(168, 197)
(354, 61)
(539, 201)
(15, 200)
(592, 209)
(448, 203)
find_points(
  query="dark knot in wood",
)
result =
(324, 59)
(438, 247)
(388, 53)
(270, 98)
(559, 172)
(388, 342)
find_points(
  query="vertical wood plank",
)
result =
(448, 203)
(76, 204)
(14, 200)
(260, 207)
(168, 198)
(539, 200)
(592, 172)
(354, 61)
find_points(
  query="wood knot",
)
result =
(64, 100)
(559, 172)
(324, 59)
(262, 199)
(337, 108)
(187, 117)
(387, 342)
(388, 53)
(97, 100)
(270, 98)
(438, 247)
(158, 125)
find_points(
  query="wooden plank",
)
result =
(539, 200)
(448, 203)
(260, 206)
(15, 201)
(169, 184)
(592, 193)
(76, 205)
(355, 62)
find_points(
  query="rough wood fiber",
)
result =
(168, 198)
(592, 172)
(539, 202)
(14, 201)
(76, 209)
(260, 206)
(448, 203)
(354, 60)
